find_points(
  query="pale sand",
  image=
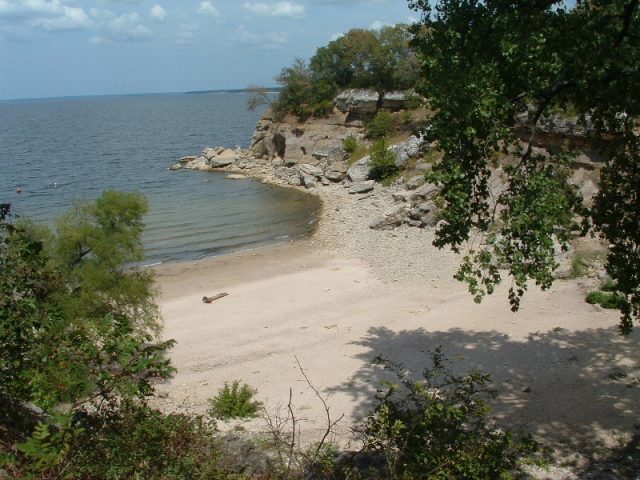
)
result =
(557, 364)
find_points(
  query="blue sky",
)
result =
(52, 48)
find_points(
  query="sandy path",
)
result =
(348, 294)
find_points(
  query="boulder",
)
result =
(308, 169)
(294, 180)
(394, 100)
(235, 176)
(415, 182)
(361, 101)
(390, 220)
(185, 160)
(359, 171)
(408, 149)
(218, 162)
(335, 176)
(244, 457)
(309, 181)
(362, 187)
(199, 163)
(176, 166)
(425, 192)
(426, 213)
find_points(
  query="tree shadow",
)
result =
(570, 389)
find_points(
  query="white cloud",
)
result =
(72, 18)
(127, 27)
(277, 9)
(207, 8)
(246, 38)
(52, 16)
(158, 13)
(336, 36)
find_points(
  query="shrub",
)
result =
(609, 300)
(234, 401)
(383, 162)
(438, 428)
(413, 101)
(127, 440)
(350, 144)
(379, 126)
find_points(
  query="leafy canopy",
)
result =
(378, 59)
(485, 62)
(77, 319)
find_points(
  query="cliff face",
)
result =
(317, 141)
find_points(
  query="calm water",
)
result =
(61, 150)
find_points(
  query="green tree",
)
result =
(484, 62)
(383, 161)
(77, 319)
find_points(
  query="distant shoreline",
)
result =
(147, 94)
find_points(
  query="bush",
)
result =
(609, 300)
(379, 126)
(413, 101)
(127, 440)
(383, 162)
(350, 144)
(437, 428)
(234, 401)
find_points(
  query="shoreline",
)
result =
(338, 298)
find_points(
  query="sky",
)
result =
(53, 48)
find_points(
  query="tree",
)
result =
(77, 319)
(484, 62)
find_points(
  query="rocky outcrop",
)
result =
(394, 101)
(357, 101)
(317, 141)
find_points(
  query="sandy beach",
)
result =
(336, 300)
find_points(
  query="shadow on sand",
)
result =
(574, 390)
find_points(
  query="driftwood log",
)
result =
(214, 298)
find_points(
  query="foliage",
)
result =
(378, 59)
(606, 296)
(608, 300)
(75, 325)
(438, 428)
(485, 62)
(383, 161)
(350, 144)
(127, 440)
(380, 126)
(303, 94)
(234, 401)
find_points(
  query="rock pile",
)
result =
(214, 158)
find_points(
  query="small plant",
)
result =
(350, 144)
(608, 300)
(609, 286)
(438, 427)
(383, 162)
(413, 101)
(379, 126)
(234, 401)
(578, 265)
(406, 117)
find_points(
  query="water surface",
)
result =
(61, 150)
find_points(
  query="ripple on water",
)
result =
(62, 150)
